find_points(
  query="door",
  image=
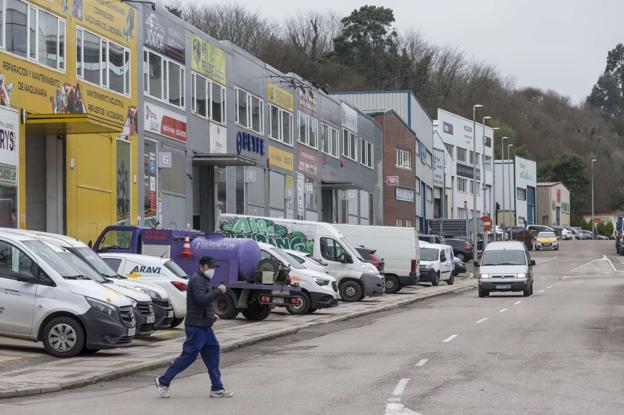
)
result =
(334, 254)
(558, 213)
(17, 299)
(445, 272)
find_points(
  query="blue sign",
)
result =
(248, 142)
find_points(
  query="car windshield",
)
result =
(81, 266)
(503, 257)
(365, 253)
(546, 235)
(94, 260)
(286, 258)
(53, 259)
(428, 254)
(296, 258)
(175, 268)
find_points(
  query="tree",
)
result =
(608, 93)
(313, 33)
(570, 169)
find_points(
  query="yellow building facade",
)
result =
(69, 68)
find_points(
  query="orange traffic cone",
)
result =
(186, 249)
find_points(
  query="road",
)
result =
(558, 352)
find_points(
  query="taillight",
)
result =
(414, 265)
(179, 285)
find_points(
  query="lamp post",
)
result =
(475, 229)
(503, 178)
(492, 192)
(482, 187)
(592, 195)
(509, 146)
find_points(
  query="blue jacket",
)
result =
(199, 301)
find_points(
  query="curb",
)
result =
(114, 374)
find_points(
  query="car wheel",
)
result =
(63, 337)
(483, 293)
(304, 304)
(461, 257)
(350, 291)
(225, 307)
(436, 280)
(176, 322)
(451, 280)
(527, 291)
(392, 284)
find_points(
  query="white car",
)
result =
(436, 263)
(318, 290)
(155, 270)
(307, 261)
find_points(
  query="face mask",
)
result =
(209, 273)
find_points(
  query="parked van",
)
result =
(43, 298)
(356, 278)
(436, 263)
(396, 247)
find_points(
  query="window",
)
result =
(403, 159)
(429, 194)
(450, 149)
(472, 186)
(417, 186)
(462, 213)
(522, 194)
(164, 79)
(409, 223)
(308, 130)
(462, 184)
(113, 263)
(472, 158)
(366, 153)
(280, 124)
(329, 140)
(331, 250)
(488, 162)
(249, 111)
(102, 62)
(13, 261)
(418, 148)
(208, 98)
(115, 239)
(349, 145)
(398, 222)
(461, 154)
(429, 158)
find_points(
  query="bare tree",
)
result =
(313, 32)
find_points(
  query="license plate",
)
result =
(131, 331)
(503, 286)
(151, 319)
(170, 314)
(278, 300)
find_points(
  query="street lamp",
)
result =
(503, 178)
(482, 187)
(474, 177)
(509, 146)
(592, 194)
(492, 192)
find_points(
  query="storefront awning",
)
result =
(338, 185)
(61, 124)
(222, 160)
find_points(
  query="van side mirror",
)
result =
(532, 262)
(345, 258)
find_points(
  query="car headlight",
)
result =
(108, 309)
(425, 266)
(321, 281)
(484, 275)
(521, 275)
(151, 293)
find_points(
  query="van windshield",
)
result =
(54, 260)
(82, 266)
(506, 257)
(428, 254)
(94, 260)
(350, 247)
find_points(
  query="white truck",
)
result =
(397, 247)
(356, 278)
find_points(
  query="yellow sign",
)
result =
(280, 96)
(280, 158)
(207, 59)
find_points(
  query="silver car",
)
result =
(505, 266)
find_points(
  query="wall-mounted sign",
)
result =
(164, 160)
(349, 117)
(438, 168)
(558, 195)
(300, 195)
(308, 101)
(488, 141)
(308, 162)
(207, 59)
(162, 36)
(280, 96)
(447, 127)
(392, 181)
(218, 139)
(167, 123)
(467, 128)
(9, 137)
(404, 194)
(281, 159)
(249, 142)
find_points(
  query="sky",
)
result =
(550, 44)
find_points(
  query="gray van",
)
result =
(505, 266)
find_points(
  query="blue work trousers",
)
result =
(199, 340)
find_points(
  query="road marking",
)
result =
(394, 399)
(449, 338)
(422, 362)
(400, 387)
(517, 302)
(604, 257)
(540, 291)
(502, 310)
(398, 409)
(481, 321)
(549, 287)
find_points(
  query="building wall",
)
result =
(525, 185)
(551, 198)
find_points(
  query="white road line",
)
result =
(517, 302)
(540, 291)
(502, 310)
(395, 408)
(604, 257)
(549, 287)
(422, 362)
(394, 399)
(400, 387)
(449, 338)
(481, 321)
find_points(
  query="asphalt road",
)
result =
(558, 352)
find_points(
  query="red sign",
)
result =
(558, 195)
(165, 122)
(487, 223)
(392, 180)
(308, 162)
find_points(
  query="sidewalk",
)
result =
(60, 374)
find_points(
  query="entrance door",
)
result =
(327, 206)
(558, 213)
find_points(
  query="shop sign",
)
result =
(218, 139)
(9, 137)
(249, 142)
(438, 168)
(300, 195)
(392, 181)
(208, 59)
(349, 117)
(558, 195)
(280, 158)
(404, 194)
(167, 123)
(163, 36)
(308, 101)
(251, 176)
(447, 128)
(280, 96)
(308, 162)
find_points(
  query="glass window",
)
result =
(461, 185)
(287, 121)
(334, 142)
(522, 194)
(274, 121)
(345, 143)
(331, 249)
(353, 146)
(155, 76)
(313, 136)
(241, 103)
(61, 44)
(13, 261)
(48, 31)
(461, 154)
(175, 81)
(277, 194)
(123, 181)
(218, 103)
(116, 68)
(363, 150)
(114, 263)
(91, 57)
(199, 96)
(16, 38)
(507, 257)
(115, 239)
(79, 48)
(303, 128)
(256, 114)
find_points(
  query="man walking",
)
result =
(200, 339)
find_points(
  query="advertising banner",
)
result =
(308, 162)
(9, 137)
(207, 59)
(300, 195)
(280, 96)
(308, 101)
(281, 159)
(438, 168)
(167, 123)
(218, 139)
(161, 35)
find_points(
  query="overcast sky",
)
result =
(550, 44)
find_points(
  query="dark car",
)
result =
(369, 256)
(462, 249)
(535, 229)
(432, 239)
(460, 267)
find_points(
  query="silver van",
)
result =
(505, 266)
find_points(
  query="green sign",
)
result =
(8, 175)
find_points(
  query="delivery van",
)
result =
(356, 278)
(437, 263)
(43, 298)
(396, 247)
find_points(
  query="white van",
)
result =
(397, 247)
(43, 298)
(436, 263)
(356, 278)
